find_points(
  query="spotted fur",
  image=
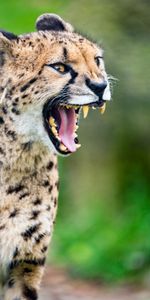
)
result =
(28, 161)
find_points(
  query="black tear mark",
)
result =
(15, 189)
(29, 293)
(27, 85)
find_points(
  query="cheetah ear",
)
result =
(6, 45)
(5, 40)
(52, 22)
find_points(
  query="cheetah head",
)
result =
(48, 78)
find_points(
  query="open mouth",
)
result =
(61, 122)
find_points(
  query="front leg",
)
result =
(24, 280)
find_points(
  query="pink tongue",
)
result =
(66, 131)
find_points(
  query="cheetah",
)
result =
(47, 78)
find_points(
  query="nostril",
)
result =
(96, 87)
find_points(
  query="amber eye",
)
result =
(98, 60)
(60, 67)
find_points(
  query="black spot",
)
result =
(11, 282)
(14, 213)
(57, 184)
(65, 52)
(27, 146)
(2, 58)
(35, 214)
(9, 35)
(16, 253)
(34, 262)
(37, 201)
(16, 99)
(44, 249)
(24, 96)
(50, 165)
(11, 133)
(15, 111)
(55, 202)
(15, 189)
(1, 120)
(30, 231)
(29, 293)
(4, 109)
(2, 227)
(27, 270)
(50, 189)
(1, 151)
(27, 85)
(48, 208)
(39, 238)
(46, 183)
(24, 195)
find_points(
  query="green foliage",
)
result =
(102, 228)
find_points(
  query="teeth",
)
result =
(76, 127)
(85, 111)
(102, 109)
(54, 131)
(52, 122)
(62, 147)
(78, 146)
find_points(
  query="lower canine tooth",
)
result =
(78, 146)
(102, 109)
(62, 147)
(85, 111)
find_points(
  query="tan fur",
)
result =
(28, 163)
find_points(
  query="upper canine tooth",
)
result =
(102, 108)
(52, 122)
(85, 111)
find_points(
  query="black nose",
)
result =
(97, 88)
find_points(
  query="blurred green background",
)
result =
(103, 223)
